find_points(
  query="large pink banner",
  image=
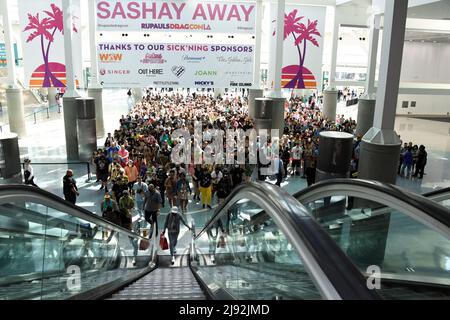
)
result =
(176, 15)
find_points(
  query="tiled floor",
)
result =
(46, 144)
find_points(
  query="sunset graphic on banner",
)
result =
(303, 46)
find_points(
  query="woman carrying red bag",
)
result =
(172, 224)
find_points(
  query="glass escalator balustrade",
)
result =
(412, 257)
(49, 254)
(252, 258)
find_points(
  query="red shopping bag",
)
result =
(163, 242)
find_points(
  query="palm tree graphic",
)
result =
(45, 29)
(302, 34)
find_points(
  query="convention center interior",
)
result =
(225, 150)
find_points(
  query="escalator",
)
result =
(261, 244)
(381, 227)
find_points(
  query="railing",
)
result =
(88, 166)
(34, 115)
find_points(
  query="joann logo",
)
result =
(204, 83)
(178, 71)
(110, 57)
(151, 72)
(205, 73)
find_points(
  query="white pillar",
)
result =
(258, 33)
(14, 96)
(330, 94)
(276, 53)
(9, 43)
(68, 50)
(93, 44)
(95, 91)
(71, 94)
(380, 147)
(373, 54)
(334, 50)
(366, 105)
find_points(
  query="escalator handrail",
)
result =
(333, 272)
(432, 209)
(437, 193)
(24, 192)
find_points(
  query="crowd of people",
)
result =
(136, 171)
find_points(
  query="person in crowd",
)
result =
(407, 162)
(296, 159)
(216, 176)
(225, 186)
(70, 188)
(139, 190)
(102, 169)
(110, 209)
(415, 152)
(171, 187)
(126, 204)
(279, 169)
(183, 190)
(29, 173)
(205, 187)
(132, 172)
(161, 174)
(123, 156)
(172, 225)
(195, 182)
(109, 140)
(421, 162)
(152, 205)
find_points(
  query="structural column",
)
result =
(137, 94)
(14, 96)
(274, 105)
(366, 106)
(95, 90)
(330, 95)
(380, 147)
(51, 96)
(70, 96)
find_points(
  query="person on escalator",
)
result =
(172, 224)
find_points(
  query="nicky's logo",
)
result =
(111, 57)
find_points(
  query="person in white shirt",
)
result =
(216, 176)
(296, 153)
(29, 173)
(139, 190)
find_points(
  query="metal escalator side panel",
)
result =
(333, 273)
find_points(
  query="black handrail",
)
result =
(47, 109)
(15, 189)
(437, 192)
(342, 274)
(423, 204)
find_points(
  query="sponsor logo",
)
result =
(102, 72)
(193, 59)
(240, 84)
(151, 72)
(204, 83)
(178, 71)
(111, 57)
(166, 83)
(238, 73)
(153, 58)
(175, 26)
(205, 73)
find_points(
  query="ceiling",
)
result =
(439, 10)
(432, 37)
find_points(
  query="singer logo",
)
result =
(110, 57)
